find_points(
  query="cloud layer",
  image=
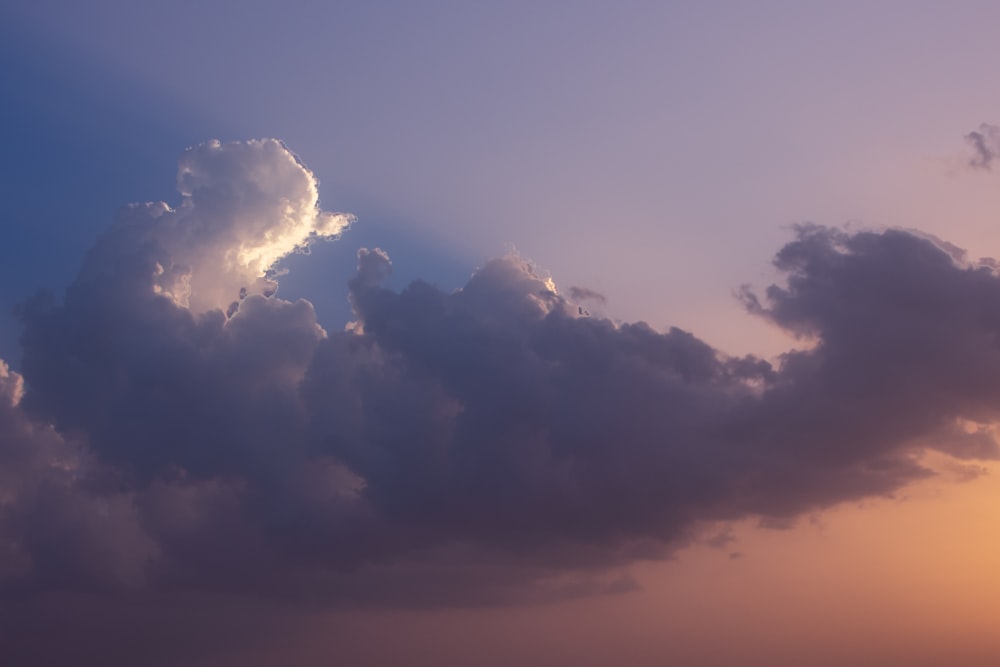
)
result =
(181, 430)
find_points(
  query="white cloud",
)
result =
(244, 207)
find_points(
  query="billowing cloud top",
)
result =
(485, 445)
(244, 207)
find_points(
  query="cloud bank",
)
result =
(181, 431)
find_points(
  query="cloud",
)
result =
(490, 445)
(243, 207)
(586, 294)
(985, 142)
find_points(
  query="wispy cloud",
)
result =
(985, 144)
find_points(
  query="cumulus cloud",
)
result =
(488, 445)
(244, 206)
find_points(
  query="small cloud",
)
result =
(776, 522)
(985, 144)
(965, 472)
(722, 539)
(586, 294)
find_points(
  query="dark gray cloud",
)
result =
(985, 143)
(586, 294)
(485, 446)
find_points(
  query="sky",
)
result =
(499, 333)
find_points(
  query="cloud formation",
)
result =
(489, 445)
